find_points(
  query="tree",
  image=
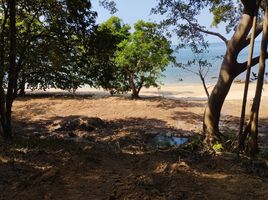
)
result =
(242, 137)
(3, 48)
(8, 41)
(103, 71)
(252, 126)
(26, 28)
(183, 16)
(203, 69)
(6, 118)
(59, 41)
(143, 56)
(109, 5)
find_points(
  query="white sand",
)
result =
(179, 91)
(193, 92)
(196, 91)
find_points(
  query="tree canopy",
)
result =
(237, 16)
(57, 44)
(103, 70)
(143, 56)
(44, 43)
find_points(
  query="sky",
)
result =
(130, 11)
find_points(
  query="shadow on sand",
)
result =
(115, 161)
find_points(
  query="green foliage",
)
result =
(218, 147)
(219, 14)
(121, 61)
(143, 56)
(225, 12)
(182, 17)
(103, 71)
(53, 43)
(109, 5)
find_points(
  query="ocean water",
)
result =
(214, 56)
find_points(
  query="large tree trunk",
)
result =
(252, 126)
(215, 102)
(229, 70)
(11, 70)
(2, 61)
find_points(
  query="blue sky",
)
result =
(131, 11)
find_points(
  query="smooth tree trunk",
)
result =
(230, 68)
(252, 126)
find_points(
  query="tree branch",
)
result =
(196, 27)
(258, 31)
(225, 40)
(27, 40)
(243, 66)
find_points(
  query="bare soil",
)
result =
(101, 148)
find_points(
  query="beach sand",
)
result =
(118, 159)
(188, 92)
(195, 92)
(179, 106)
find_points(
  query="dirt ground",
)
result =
(101, 148)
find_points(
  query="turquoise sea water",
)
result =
(174, 75)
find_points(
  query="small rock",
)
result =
(95, 122)
(179, 166)
(4, 160)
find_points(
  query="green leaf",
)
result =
(218, 147)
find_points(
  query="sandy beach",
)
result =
(159, 143)
(193, 91)
(180, 105)
(196, 91)
(97, 146)
(188, 92)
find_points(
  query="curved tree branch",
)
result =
(198, 28)
(225, 40)
(258, 31)
(243, 66)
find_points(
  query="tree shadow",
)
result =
(128, 132)
(169, 93)
(117, 161)
(187, 116)
(55, 95)
(116, 165)
(229, 125)
(169, 103)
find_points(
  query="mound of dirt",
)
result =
(82, 124)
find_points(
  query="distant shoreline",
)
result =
(179, 90)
